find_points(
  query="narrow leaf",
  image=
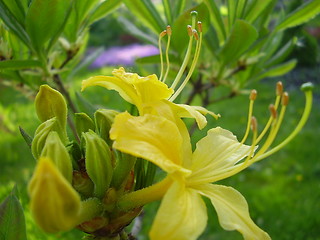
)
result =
(8, 18)
(44, 19)
(179, 6)
(256, 9)
(278, 70)
(216, 19)
(12, 221)
(27, 138)
(16, 9)
(167, 10)
(145, 10)
(19, 64)
(300, 15)
(232, 8)
(103, 9)
(242, 36)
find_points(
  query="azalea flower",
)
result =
(217, 156)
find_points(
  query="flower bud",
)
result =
(104, 119)
(55, 205)
(83, 123)
(50, 103)
(82, 183)
(41, 135)
(57, 152)
(98, 162)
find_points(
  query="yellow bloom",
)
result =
(219, 155)
(182, 214)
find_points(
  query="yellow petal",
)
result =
(153, 138)
(216, 153)
(55, 205)
(148, 88)
(125, 89)
(181, 216)
(233, 211)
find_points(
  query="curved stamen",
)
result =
(169, 32)
(162, 34)
(253, 96)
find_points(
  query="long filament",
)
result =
(162, 34)
(167, 54)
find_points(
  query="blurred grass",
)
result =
(283, 191)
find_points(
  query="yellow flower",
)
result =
(182, 214)
(55, 205)
(219, 155)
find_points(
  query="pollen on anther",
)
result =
(195, 34)
(279, 89)
(273, 111)
(199, 26)
(285, 99)
(163, 33)
(254, 124)
(190, 32)
(169, 30)
(253, 95)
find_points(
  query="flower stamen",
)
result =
(161, 35)
(169, 32)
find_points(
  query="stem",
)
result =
(146, 195)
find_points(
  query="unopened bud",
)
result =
(83, 123)
(163, 33)
(169, 30)
(94, 224)
(279, 88)
(82, 183)
(103, 120)
(57, 152)
(199, 26)
(41, 135)
(54, 204)
(285, 99)
(98, 162)
(50, 103)
(254, 124)
(189, 29)
(253, 95)
(273, 111)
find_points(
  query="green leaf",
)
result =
(278, 70)
(241, 4)
(103, 9)
(300, 15)
(19, 64)
(12, 221)
(156, 59)
(16, 9)
(83, 123)
(12, 23)
(242, 36)
(179, 6)
(44, 19)
(256, 9)
(145, 10)
(167, 10)
(216, 19)
(132, 28)
(27, 138)
(180, 36)
(232, 9)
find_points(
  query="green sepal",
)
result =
(50, 103)
(83, 123)
(98, 161)
(41, 135)
(103, 120)
(57, 152)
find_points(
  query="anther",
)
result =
(273, 111)
(279, 88)
(199, 26)
(189, 28)
(254, 124)
(285, 99)
(169, 30)
(253, 95)
(195, 34)
(163, 33)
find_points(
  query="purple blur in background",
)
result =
(124, 55)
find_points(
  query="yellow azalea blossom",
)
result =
(182, 214)
(219, 155)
